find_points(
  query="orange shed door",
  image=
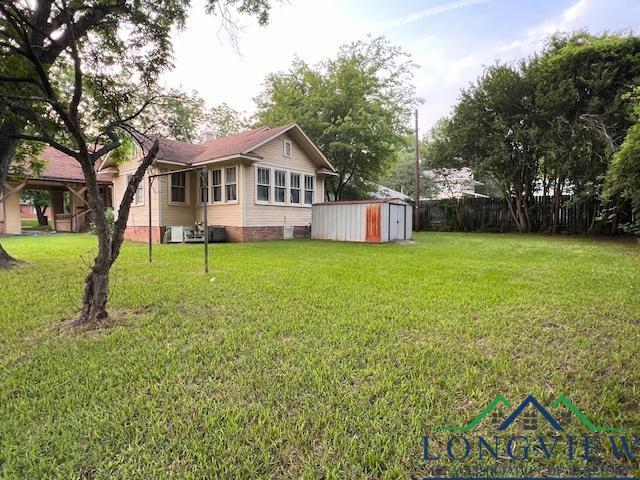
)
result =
(374, 221)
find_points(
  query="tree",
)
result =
(581, 94)
(355, 108)
(186, 117)
(622, 181)
(402, 174)
(491, 131)
(81, 104)
(136, 32)
(40, 200)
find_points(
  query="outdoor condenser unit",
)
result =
(176, 234)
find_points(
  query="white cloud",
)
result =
(429, 12)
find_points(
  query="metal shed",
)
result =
(371, 221)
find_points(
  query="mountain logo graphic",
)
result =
(531, 401)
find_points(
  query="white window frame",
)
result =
(135, 202)
(199, 200)
(284, 148)
(270, 186)
(300, 176)
(285, 186)
(219, 185)
(312, 190)
(186, 189)
(226, 184)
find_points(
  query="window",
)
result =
(179, 187)
(203, 182)
(230, 184)
(280, 189)
(308, 189)
(287, 148)
(216, 183)
(138, 198)
(295, 188)
(264, 184)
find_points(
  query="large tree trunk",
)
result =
(8, 145)
(42, 221)
(96, 293)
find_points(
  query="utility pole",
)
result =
(416, 210)
(204, 179)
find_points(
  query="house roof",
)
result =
(242, 144)
(60, 166)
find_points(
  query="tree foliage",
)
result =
(550, 124)
(354, 107)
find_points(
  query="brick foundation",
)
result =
(234, 234)
(141, 234)
(303, 231)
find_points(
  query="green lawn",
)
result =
(32, 224)
(305, 359)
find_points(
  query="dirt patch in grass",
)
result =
(72, 326)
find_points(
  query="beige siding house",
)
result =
(259, 185)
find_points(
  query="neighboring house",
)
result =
(262, 184)
(27, 211)
(454, 183)
(64, 180)
(381, 192)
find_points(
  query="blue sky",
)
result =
(450, 40)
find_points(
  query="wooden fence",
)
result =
(493, 215)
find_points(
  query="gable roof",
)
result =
(241, 144)
(60, 166)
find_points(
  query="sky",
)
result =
(450, 40)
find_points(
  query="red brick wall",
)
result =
(141, 234)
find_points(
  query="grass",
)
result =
(305, 359)
(32, 224)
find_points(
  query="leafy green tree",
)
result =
(354, 107)
(401, 176)
(622, 180)
(491, 131)
(40, 200)
(582, 86)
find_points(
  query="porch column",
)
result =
(11, 208)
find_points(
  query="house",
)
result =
(259, 184)
(454, 183)
(63, 179)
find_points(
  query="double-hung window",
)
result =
(231, 191)
(203, 182)
(308, 189)
(179, 187)
(294, 181)
(216, 185)
(280, 188)
(263, 184)
(138, 198)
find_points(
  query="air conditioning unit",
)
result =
(176, 234)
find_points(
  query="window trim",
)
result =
(313, 190)
(225, 184)
(299, 203)
(284, 148)
(269, 185)
(187, 191)
(199, 199)
(213, 185)
(272, 187)
(127, 177)
(285, 186)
